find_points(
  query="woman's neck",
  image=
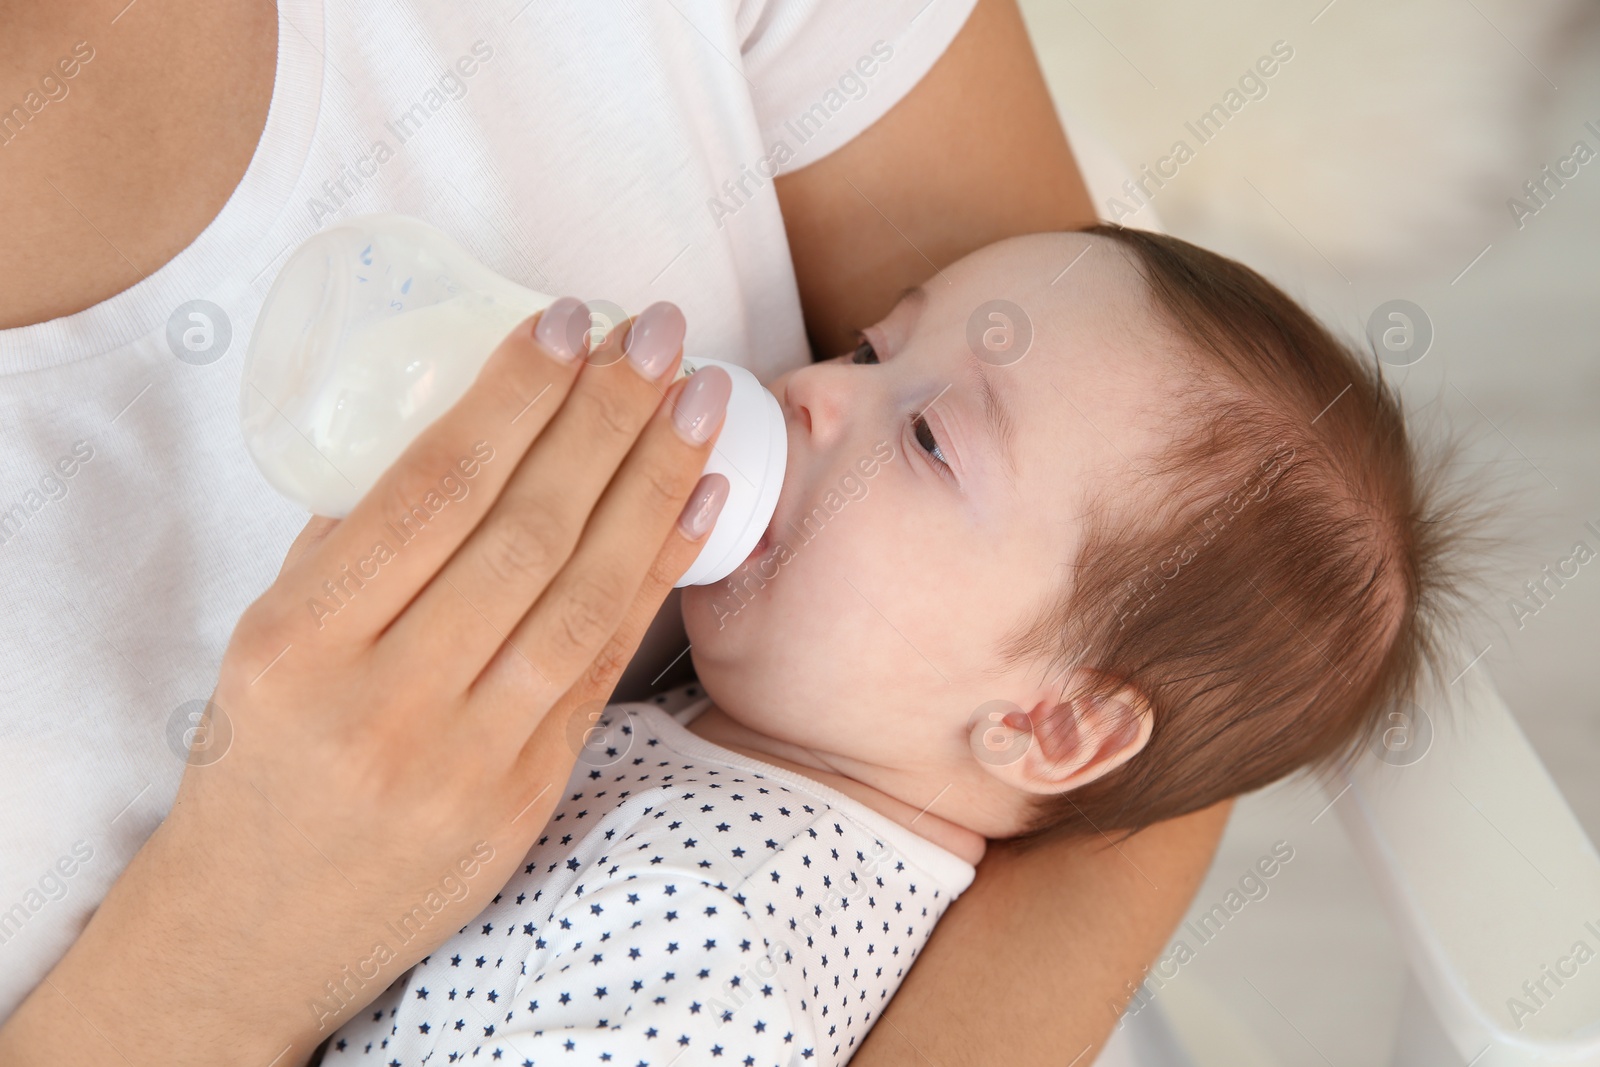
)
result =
(716, 726)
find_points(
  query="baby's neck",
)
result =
(715, 726)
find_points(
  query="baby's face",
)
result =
(919, 525)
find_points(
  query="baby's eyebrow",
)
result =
(911, 292)
(996, 412)
(997, 416)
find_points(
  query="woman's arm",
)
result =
(1033, 962)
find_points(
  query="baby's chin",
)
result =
(734, 646)
(706, 613)
(729, 613)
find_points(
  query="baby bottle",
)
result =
(377, 325)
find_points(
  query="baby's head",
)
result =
(1092, 530)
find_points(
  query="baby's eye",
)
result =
(929, 444)
(925, 438)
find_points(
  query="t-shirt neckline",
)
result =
(223, 262)
(953, 872)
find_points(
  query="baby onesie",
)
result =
(685, 904)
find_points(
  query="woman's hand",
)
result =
(397, 715)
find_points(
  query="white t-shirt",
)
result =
(685, 904)
(616, 149)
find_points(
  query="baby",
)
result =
(1092, 530)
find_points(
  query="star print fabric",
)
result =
(685, 905)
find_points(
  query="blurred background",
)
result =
(1385, 159)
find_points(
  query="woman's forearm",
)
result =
(142, 983)
(1034, 962)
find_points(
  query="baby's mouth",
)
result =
(763, 544)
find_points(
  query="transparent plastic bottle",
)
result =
(377, 325)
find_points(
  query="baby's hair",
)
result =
(1300, 573)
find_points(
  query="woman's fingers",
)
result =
(582, 609)
(365, 571)
(470, 609)
(577, 712)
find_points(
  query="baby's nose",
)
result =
(816, 398)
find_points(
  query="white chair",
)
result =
(1491, 887)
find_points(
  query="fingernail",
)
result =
(705, 503)
(654, 338)
(698, 410)
(554, 331)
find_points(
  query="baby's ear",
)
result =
(1056, 746)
